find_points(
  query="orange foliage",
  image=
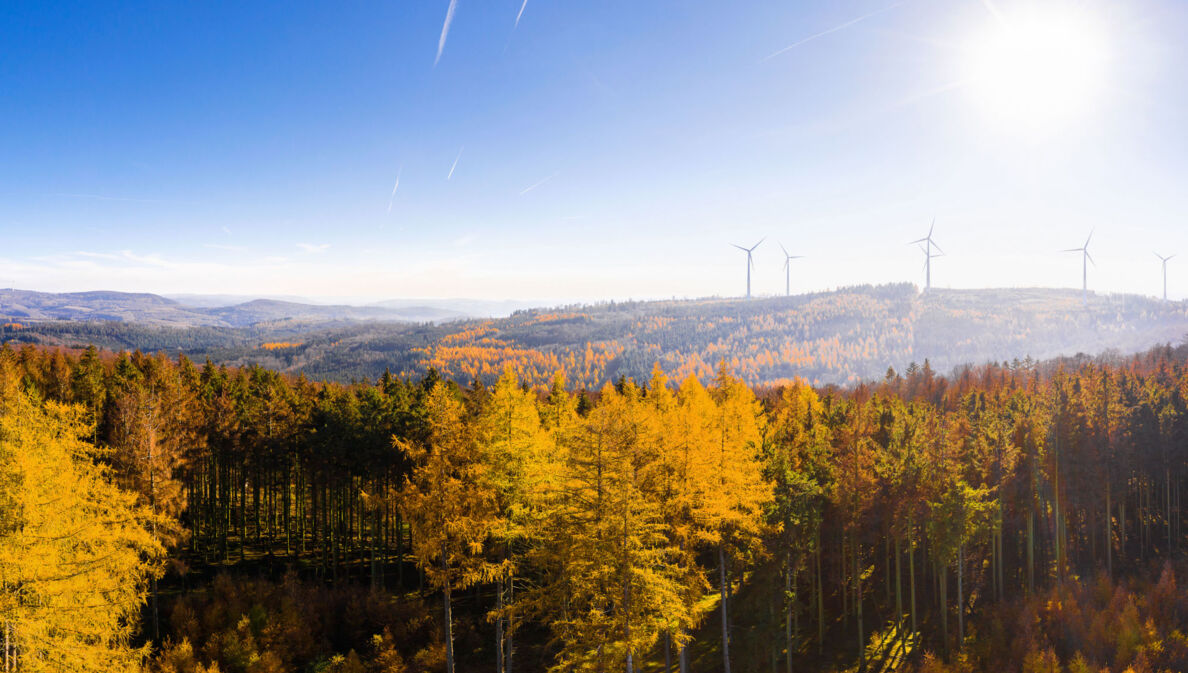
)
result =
(278, 345)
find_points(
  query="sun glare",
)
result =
(1040, 70)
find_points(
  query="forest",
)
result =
(838, 337)
(170, 516)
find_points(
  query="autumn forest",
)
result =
(177, 517)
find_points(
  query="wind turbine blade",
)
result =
(1090, 258)
(937, 247)
(1069, 250)
(931, 227)
(784, 249)
(1169, 257)
(1090, 238)
(758, 244)
(918, 240)
(740, 248)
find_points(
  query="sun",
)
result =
(1038, 69)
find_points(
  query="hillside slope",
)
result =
(837, 337)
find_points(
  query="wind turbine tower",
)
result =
(750, 262)
(1086, 260)
(929, 244)
(1164, 260)
(788, 270)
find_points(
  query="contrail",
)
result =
(455, 162)
(521, 13)
(532, 187)
(834, 29)
(396, 186)
(445, 30)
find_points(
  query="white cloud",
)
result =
(313, 249)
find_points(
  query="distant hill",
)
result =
(24, 306)
(28, 306)
(840, 337)
(475, 308)
(271, 310)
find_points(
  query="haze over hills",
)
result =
(843, 336)
(204, 311)
(450, 307)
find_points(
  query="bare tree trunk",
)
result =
(449, 617)
(788, 614)
(820, 598)
(725, 615)
(1109, 542)
(898, 590)
(912, 579)
(960, 597)
(858, 606)
(499, 656)
(944, 604)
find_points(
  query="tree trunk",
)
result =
(960, 597)
(1109, 542)
(944, 605)
(499, 654)
(788, 598)
(1031, 551)
(858, 605)
(449, 617)
(725, 614)
(912, 580)
(898, 590)
(820, 598)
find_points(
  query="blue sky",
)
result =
(604, 149)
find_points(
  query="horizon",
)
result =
(591, 153)
(217, 300)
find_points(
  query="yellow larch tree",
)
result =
(76, 552)
(449, 503)
(622, 581)
(520, 464)
(733, 509)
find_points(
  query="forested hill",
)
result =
(839, 337)
(24, 306)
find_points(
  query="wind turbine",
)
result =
(1164, 260)
(929, 244)
(1085, 261)
(788, 270)
(750, 262)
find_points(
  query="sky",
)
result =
(578, 151)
